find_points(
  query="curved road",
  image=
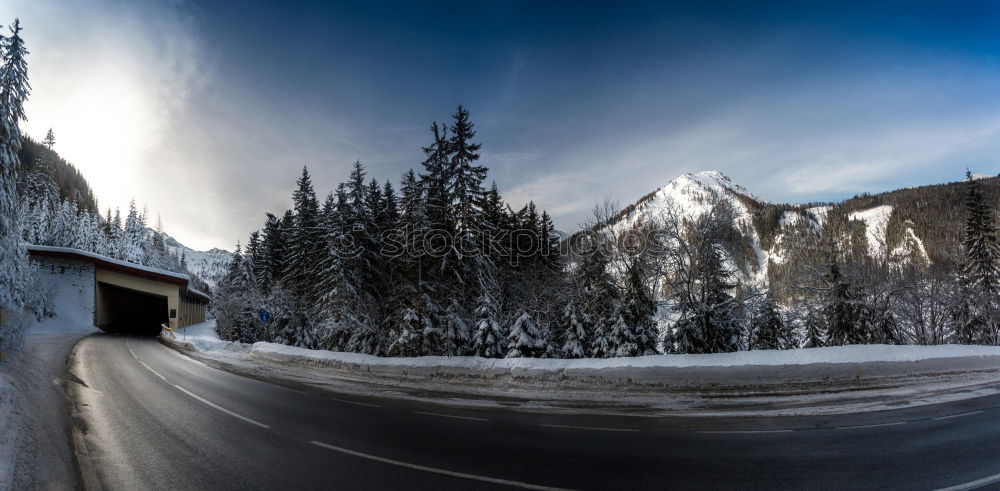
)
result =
(156, 419)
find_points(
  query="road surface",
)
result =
(156, 419)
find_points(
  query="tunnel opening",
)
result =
(125, 311)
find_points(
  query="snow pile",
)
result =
(869, 353)
(203, 339)
(806, 369)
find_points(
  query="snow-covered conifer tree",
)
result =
(525, 339)
(15, 270)
(488, 340)
(574, 332)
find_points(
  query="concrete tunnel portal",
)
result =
(124, 298)
(125, 311)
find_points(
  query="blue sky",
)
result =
(220, 103)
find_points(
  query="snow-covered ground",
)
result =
(34, 417)
(803, 381)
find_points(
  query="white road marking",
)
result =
(869, 426)
(461, 475)
(957, 415)
(203, 400)
(185, 357)
(154, 371)
(738, 432)
(974, 484)
(567, 427)
(451, 416)
(356, 403)
(220, 408)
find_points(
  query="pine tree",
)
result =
(634, 330)
(843, 323)
(304, 242)
(768, 327)
(979, 244)
(50, 140)
(466, 185)
(814, 335)
(708, 313)
(14, 266)
(272, 253)
(488, 341)
(525, 339)
(597, 295)
(574, 332)
(134, 235)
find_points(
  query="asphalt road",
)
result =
(156, 419)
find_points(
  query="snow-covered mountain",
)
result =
(769, 231)
(209, 265)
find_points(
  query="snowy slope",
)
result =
(876, 222)
(209, 265)
(693, 195)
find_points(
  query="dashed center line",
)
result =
(220, 408)
(974, 484)
(445, 472)
(470, 418)
(356, 403)
(957, 415)
(195, 396)
(595, 428)
(870, 426)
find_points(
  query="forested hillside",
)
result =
(68, 180)
(445, 267)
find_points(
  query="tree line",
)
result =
(445, 267)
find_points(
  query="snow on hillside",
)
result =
(693, 195)
(875, 220)
(209, 265)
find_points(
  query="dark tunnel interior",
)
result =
(125, 311)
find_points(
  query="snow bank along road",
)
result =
(156, 419)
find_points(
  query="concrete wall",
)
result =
(172, 292)
(72, 286)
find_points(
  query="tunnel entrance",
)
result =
(125, 311)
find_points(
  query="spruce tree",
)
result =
(304, 242)
(979, 243)
(466, 186)
(768, 327)
(979, 277)
(574, 332)
(843, 320)
(14, 89)
(488, 341)
(634, 330)
(525, 339)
